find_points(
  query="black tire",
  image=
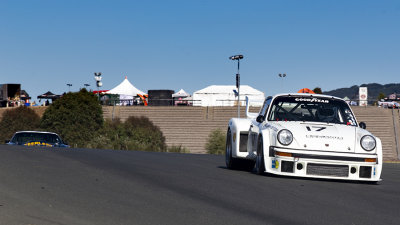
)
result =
(372, 182)
(260, 165)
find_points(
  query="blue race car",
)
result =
(37, 138)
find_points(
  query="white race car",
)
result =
(304, 135)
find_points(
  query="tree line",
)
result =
(78, 118)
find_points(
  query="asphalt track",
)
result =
(79, 186)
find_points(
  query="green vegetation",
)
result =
(17, 119)
(77, 117)
(317, 90)
(178, 149)
(381, 96)
(136, 133)
(216, 142)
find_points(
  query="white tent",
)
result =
(125, 88)
(224, 95)
(181, 93)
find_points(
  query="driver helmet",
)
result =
(326, 114)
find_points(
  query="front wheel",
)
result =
(260, 165)
(229, 161)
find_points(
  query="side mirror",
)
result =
(362, 125)
(260, 119)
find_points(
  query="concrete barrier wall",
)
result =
(190, 126)
(384, 123)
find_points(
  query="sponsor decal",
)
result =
(275, 164)
(38, 143)
(316, 128)
(324, 137)
(266, 126)
(311, 100)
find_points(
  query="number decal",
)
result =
(316, 128)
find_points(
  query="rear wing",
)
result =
(252, 102)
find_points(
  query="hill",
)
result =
(373, 91)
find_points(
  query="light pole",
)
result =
(238, 58)
(97, 78)
(282, 76)
(69, 87)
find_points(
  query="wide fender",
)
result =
(239, 126)
(267, 136)
(379, 152)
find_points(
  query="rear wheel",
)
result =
(260, 166)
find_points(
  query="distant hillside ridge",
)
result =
(373, 91)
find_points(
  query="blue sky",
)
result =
(45, 44)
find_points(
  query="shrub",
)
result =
(178, 149)
(216, 142)
(17, 119)
(75, 116)
(137, 133)
(144, 134)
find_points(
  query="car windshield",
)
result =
(27, 137)
(312, 109)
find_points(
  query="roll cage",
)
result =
(311, 109)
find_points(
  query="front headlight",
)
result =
(285, 137)
(368, 143)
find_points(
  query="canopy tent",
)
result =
(126, 90)
(48, 95)
(128, 93)
(100, 92)
(180, 94)
(182, 98)
(306, 90)
(24, 95)
(225, 95)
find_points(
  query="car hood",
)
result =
(321, 136)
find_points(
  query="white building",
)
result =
(224, 95)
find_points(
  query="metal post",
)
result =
(69, 87)
(282, 76)
(238, 87)
(97, 78)
(394, 117)
(237, 57)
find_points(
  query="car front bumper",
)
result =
(320, 164)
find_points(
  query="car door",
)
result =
(255, 127)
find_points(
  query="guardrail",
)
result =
(168, 102)
(155, 102)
